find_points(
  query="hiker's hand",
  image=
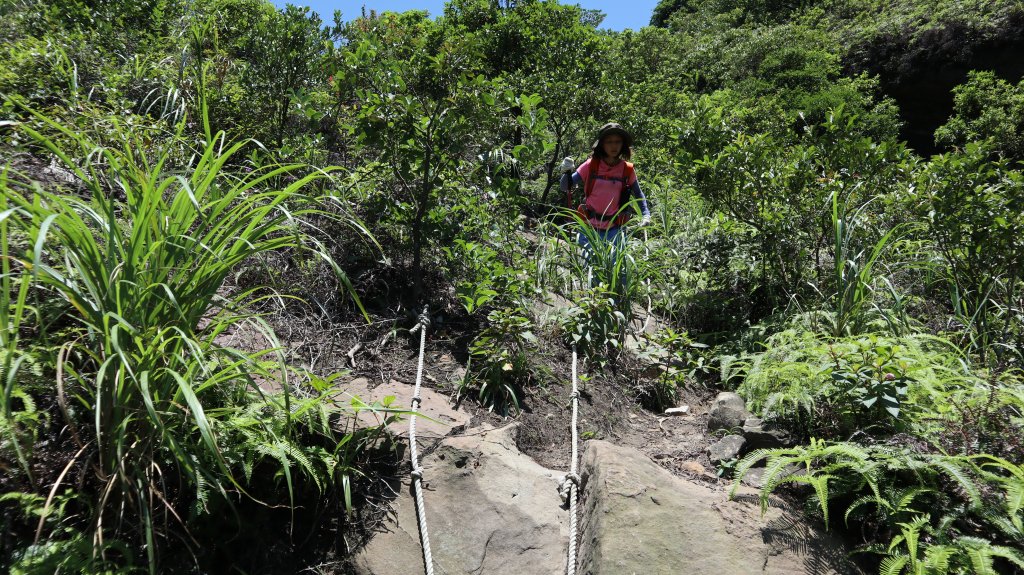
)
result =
(645, 221)
(567, 166)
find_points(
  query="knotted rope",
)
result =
(569, 487)
(417, 471)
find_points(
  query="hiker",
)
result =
(607, 189)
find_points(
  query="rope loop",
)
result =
(425, 317)
(423, 321)
(569, 489)
(417, 471)
(569, 481)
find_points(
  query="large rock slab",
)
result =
(490, 510)
(439, 417)
(639, 518)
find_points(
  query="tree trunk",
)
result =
(422, 207)
(551, 167)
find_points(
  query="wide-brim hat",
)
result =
(613, 128)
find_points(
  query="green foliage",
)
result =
(677, 360)
(666, 8)
(144, 385)
(283, 55)
(837, 387)
(68, 549)
(595, 326)
(973, 206)
(933, 505)
(546, 48)
(604, 279)
(485, 277)
(874, 376)
(986, 107)
(891, 36)
(789, 224)
(853, 270)
(423, 138)
(500, 360)
(781, 192)
(20, 418)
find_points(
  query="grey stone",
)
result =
(639, 518)
(754, 476)
(758, 438)
(490, 509)
(730, 400)
(727, 412)
(761, 435)
(729, 447)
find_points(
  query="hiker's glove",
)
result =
(567, 166)
(644, 221)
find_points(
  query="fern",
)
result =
(820, 484)
(893, 564)
(952, 468)
(936, 558)
(982, 554)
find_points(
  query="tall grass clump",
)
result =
(854, 271)
(167, 423)
(606, 279)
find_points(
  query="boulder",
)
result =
(639, 518)
(728, 412)
(490, 509)
(761, 435)
(729, 447)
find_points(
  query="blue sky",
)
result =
(619, 15)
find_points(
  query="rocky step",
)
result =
(493, 510)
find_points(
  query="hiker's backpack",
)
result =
(623, 215)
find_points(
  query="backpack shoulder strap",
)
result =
(627, 174)
(591, 177)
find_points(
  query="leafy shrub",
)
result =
(974, 208)
(500, 360)
(779, 190)
(986, 107)
(841, 387)
(595, 326)
(937, 513)
(676, 359)
(484, 277)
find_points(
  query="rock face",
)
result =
(438, 419)
(490, 510)
(639, 518)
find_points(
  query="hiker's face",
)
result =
(612, 145)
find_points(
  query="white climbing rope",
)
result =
(417, 471)
(570, 485)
